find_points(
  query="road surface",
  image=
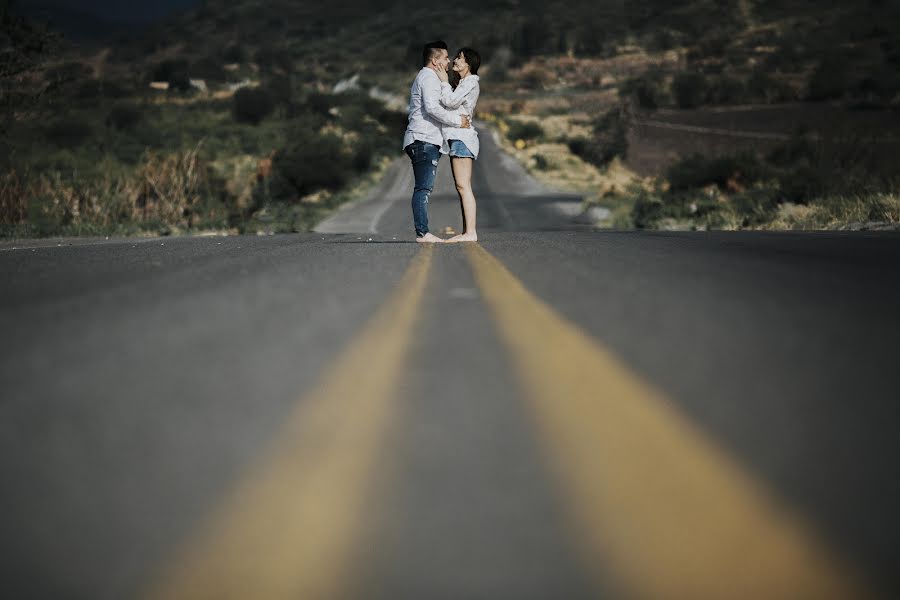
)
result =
(554, 412)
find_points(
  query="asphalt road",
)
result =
(554, 412)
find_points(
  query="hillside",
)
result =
(562, 81)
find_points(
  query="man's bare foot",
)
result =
(429, 238)
(464, 237)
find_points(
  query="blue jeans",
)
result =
(424, 157)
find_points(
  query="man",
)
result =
(422, 141)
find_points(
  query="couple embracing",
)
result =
(440, 122)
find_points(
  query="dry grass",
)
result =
(877, 211)
(164, 189)
(13, 199)
(170, 187)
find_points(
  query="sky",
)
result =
(118, 10)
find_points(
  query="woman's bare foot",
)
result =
(429, 238)
(464, 237)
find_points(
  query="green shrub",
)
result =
(88, 90)
(648, 209)
(649, 90)
(280, 89)
(234, 53)
(831, 79)
(697, 171)
(269, 57)
(321, 103)
(311, 162)
(609, 141)
(713, 45)
(756, 206)
(690, 89)
(786, 59)
(663, 38)
(800, 147)
(252, 105)
(524, 130)
(802, 183)
(762, 87)
(726, 90)
(175, 71)
(69, 71)
(123, 117)
(209, 69)
(69, 132)
(881, 84)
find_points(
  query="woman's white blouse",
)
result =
(461, 101)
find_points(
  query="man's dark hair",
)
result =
(430, 50)
(473, 59)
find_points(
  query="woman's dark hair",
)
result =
(473, 59)
(428, 50)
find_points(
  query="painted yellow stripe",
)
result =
(289, 529)
(652, 501)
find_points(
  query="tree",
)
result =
(25, 48)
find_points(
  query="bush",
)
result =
(648, 209)
(309, 163)
(697, 171)
(690, 89)
(524, 130)
(726, 90)
(714, 45)
(88, 90)
(762, 87)
(280, 89)
(69, 71)
(610, 139)
(663, 38)
(881, 85)
(208, 69)
(802, 183)
(534, 78)
(756, 206)
(252, 105)
(830, 80)
(69, 132)
(123, 117)
(175, 71)
(114, 89)
(269, 58)
(785, 59)
(799, 147)
(321, 103)
(649, 90)
(234, 53)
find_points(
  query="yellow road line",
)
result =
(288, 530)
(652, 500)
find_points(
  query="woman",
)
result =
(462, 144)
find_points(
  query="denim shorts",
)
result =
(459, 149)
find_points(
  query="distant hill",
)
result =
(333, 40)
(81, 25)
(381, 39)
(731, 51)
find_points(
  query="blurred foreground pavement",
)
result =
(553, 412)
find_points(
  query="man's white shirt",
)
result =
(426, 115)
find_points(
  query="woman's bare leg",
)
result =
(462, 176)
